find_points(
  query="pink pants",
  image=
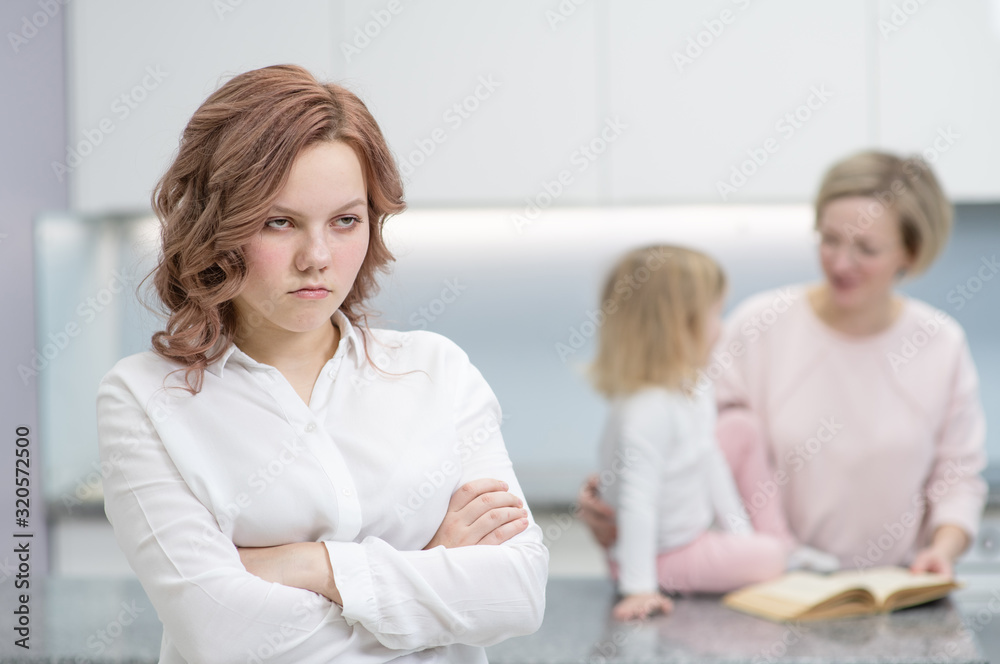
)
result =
(717, 562)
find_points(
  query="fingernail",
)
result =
(505, 486)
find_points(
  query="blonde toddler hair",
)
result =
(655, 304)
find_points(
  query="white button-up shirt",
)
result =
(367, 467)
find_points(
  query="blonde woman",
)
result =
(867, 401)
(884, 382)
(660, 465)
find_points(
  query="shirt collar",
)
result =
(349, 340)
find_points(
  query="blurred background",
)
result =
(538, 139)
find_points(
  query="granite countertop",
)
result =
(110, 621)
(81, 621)
(578, 628)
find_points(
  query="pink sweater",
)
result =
(875, 441)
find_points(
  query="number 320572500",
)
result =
(22, 473)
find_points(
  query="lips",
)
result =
(843, 284)
(311, 293)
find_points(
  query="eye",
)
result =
(867, 250)
(278, 223)
(346, 222)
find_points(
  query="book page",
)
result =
(790, 595)
(883, 582)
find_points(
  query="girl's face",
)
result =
(303, 263)
(861, 252)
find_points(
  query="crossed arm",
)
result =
(216, 601)
(481, 512)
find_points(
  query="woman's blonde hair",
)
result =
(655, 304)
(906, 186)
(234, 158)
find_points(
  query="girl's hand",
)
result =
(480, 512)
(597, 514)
(642, 605)
(303, 565)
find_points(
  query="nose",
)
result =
(314, 252)
(843, 257)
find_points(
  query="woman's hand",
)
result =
(480, 512)
(931, 560)
(303, 565)
(597, 514)
(946, 546)
(642, 605)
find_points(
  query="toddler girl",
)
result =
(681, 525)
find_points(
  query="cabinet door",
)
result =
(138, 70)
(759, 96)
(482, 103)
(939, 69)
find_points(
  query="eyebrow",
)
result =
(347, 206)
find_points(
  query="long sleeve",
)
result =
(878, 439)
(955, 490)
(212, 608)
(729, 512)
(475, 595)
(639, 495)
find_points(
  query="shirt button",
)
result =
(310, 427)
(347, 492)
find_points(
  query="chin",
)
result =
(311, 324)
(848, 299)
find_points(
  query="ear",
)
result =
(908, 260)
(910, 256)
(909, 253)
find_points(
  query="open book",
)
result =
(810, 596)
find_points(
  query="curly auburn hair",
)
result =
(234, 158)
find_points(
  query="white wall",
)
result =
(32, 131)
(559, 71)
(547, 84)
